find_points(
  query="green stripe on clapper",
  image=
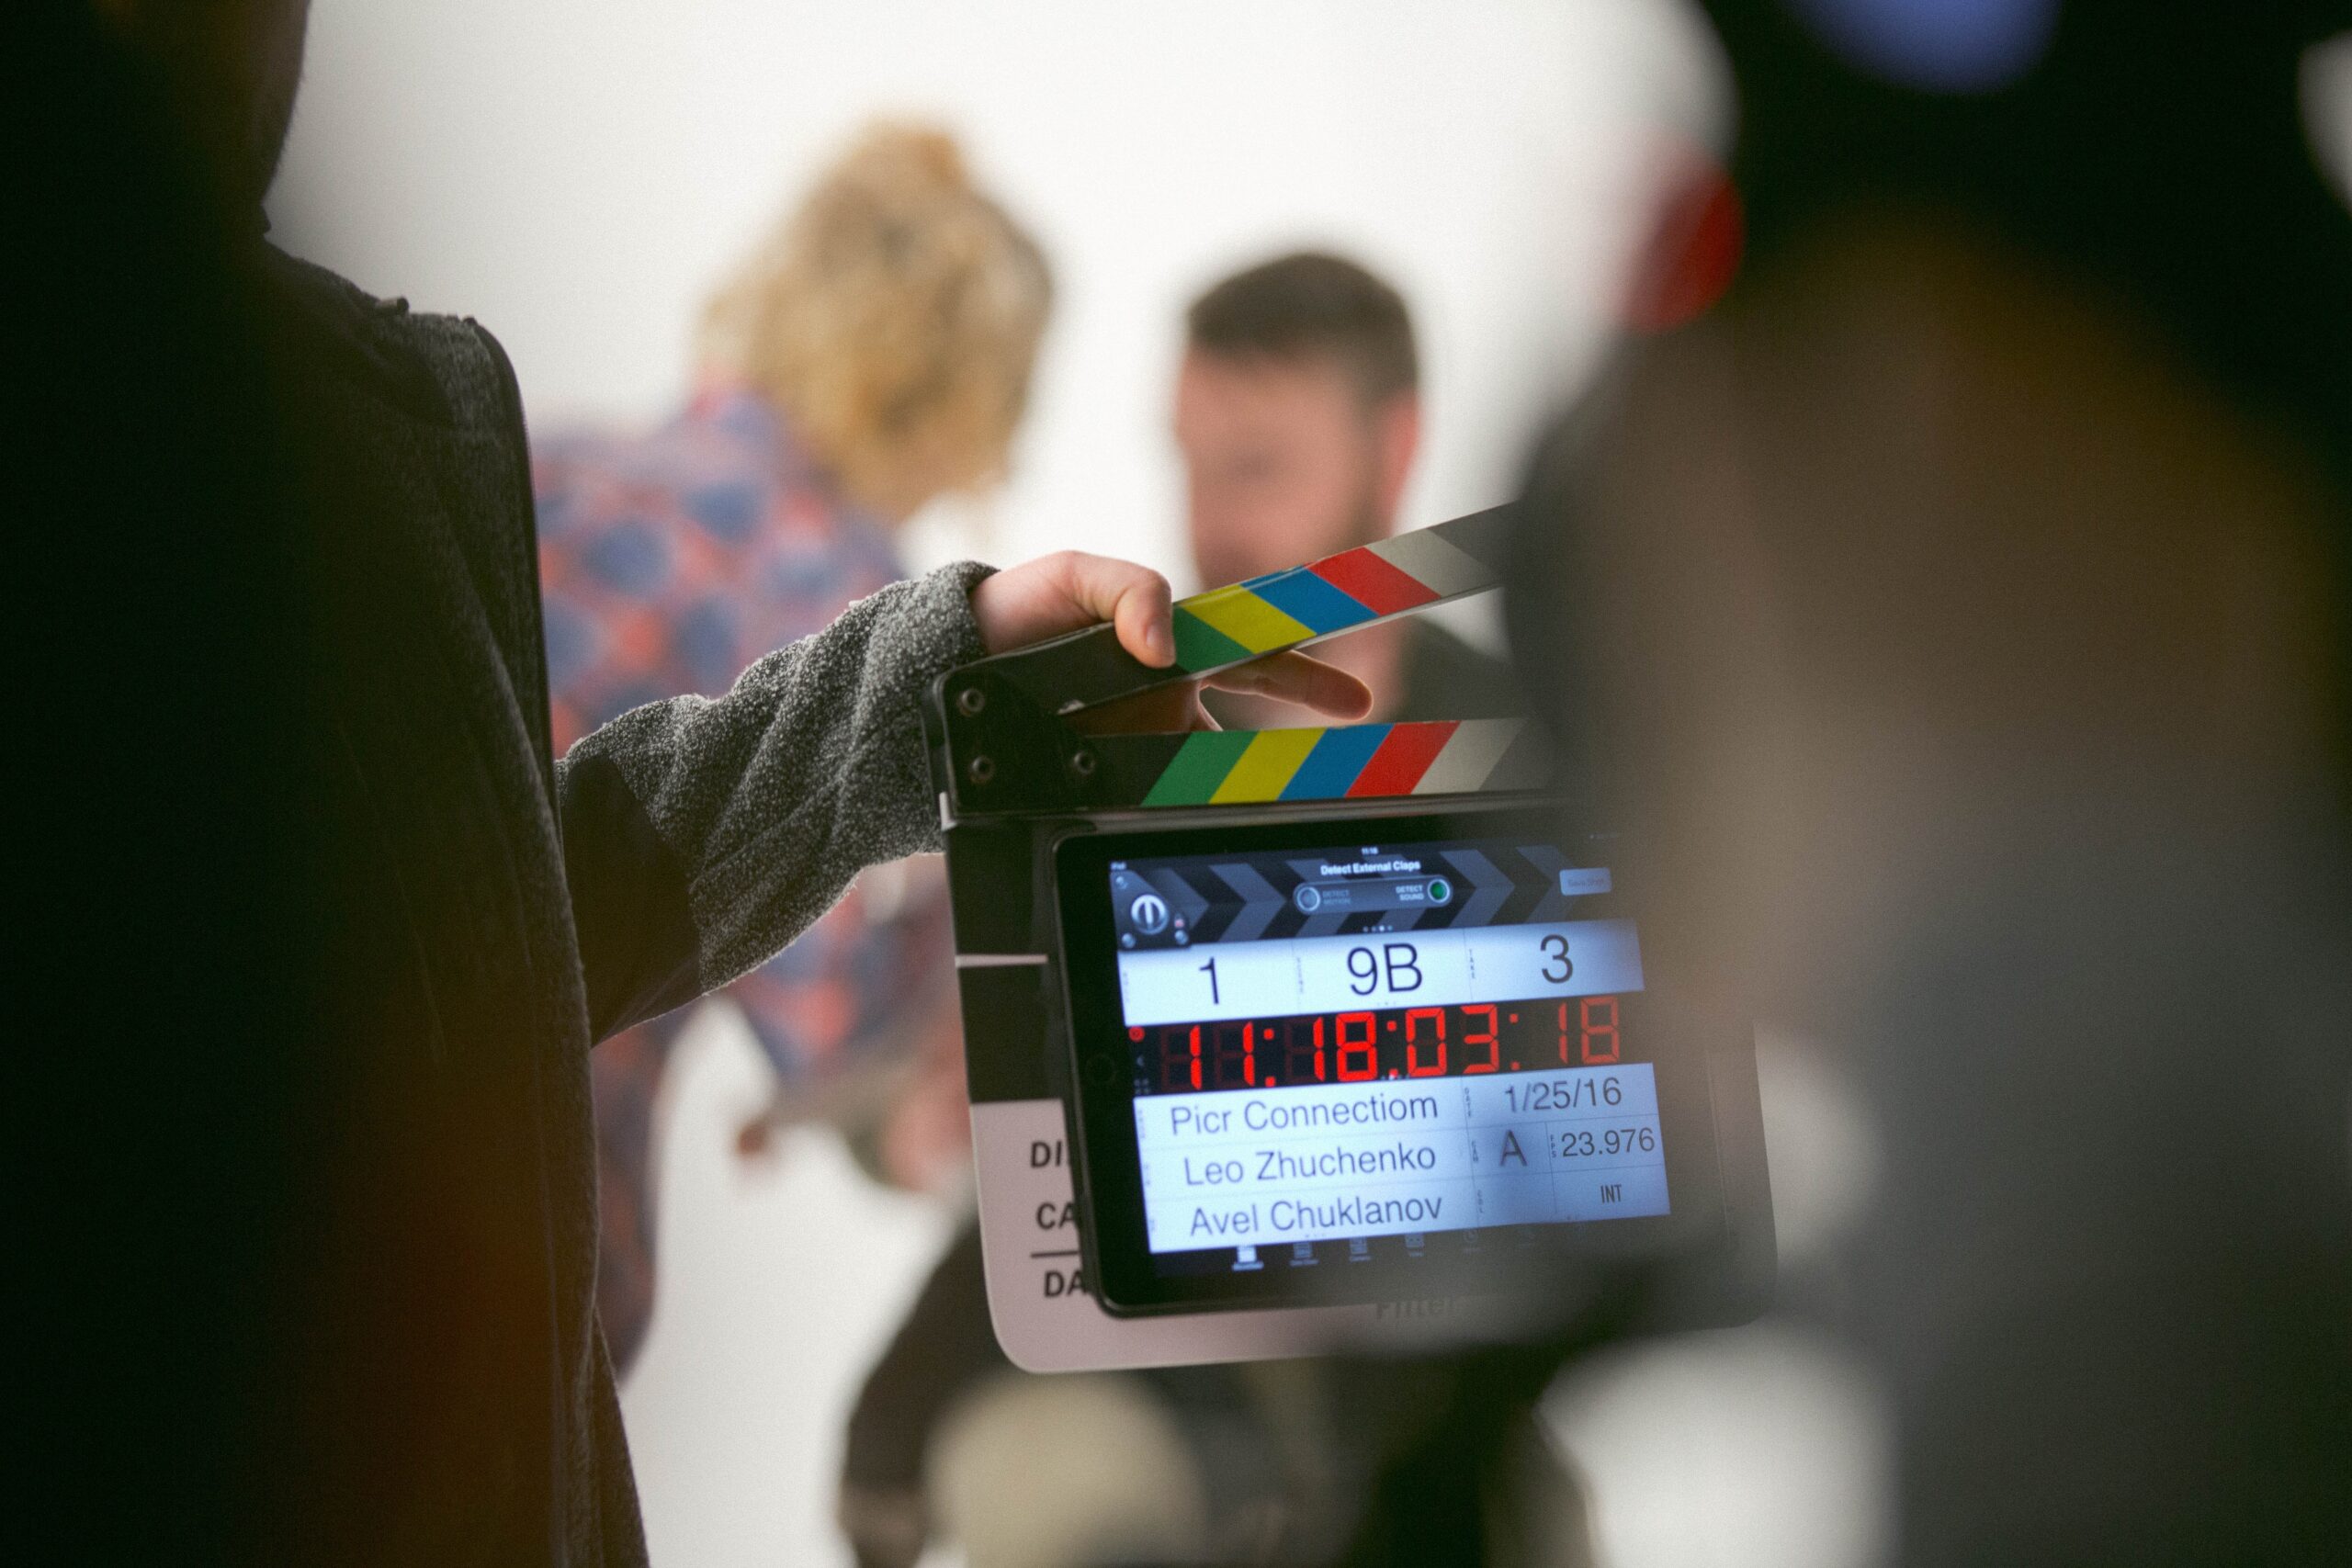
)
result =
(1200, 645)
(1196, 771)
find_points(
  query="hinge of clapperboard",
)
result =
(1011, 748)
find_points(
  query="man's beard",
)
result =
(1366, 524)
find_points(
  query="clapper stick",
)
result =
(1011, 748)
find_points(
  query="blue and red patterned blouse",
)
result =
(668, 562)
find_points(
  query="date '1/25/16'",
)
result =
(1358, 1047)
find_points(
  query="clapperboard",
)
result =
(1164, 938)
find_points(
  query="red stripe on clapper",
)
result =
(1402, 759)
(1371, 582)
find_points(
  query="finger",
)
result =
(1068, 591)
(1143, 614)
(1297, 677)
(1133, 598)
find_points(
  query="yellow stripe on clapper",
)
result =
(1248, 619)
(1269, 764)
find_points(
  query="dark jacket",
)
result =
(493, 910)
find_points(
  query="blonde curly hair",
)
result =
(893, 318)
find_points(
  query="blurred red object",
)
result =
(1693, 251)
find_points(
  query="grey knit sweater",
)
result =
(500, 910)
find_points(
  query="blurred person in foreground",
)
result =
(320, 1288)
(1298, 411)
(1957, 611)
(873, 353)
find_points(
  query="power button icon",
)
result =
(1149, 913)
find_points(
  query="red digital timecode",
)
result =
(1357, 1047)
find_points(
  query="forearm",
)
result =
(705, 833)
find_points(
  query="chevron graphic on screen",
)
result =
(1202, 900)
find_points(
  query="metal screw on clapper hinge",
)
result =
(971, 700)
(1081, 762)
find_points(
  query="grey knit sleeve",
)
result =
(725, 826)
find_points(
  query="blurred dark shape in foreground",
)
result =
(157, 657)
(1959, 611)
(1256, 1463)
(2158, 163)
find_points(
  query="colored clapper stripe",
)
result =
(1370, 581)
(1207, 756)
(1260, 772)
(1310, 601)
(1280, 609)
(1405, 754)
(1469, 757)
(1423, 555)
(1229, 767)
(1200, 645)
(1334, 763)
(1248, 620)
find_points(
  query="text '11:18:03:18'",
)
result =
(1370, 1045)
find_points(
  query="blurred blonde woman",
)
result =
(873, 353)
(892, 322)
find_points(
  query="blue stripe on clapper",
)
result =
(1334, 763)
(1306, 598)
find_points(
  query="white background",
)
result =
(577, 176)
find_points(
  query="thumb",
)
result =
(1072, 590)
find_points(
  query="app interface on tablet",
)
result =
(1367, 1046)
